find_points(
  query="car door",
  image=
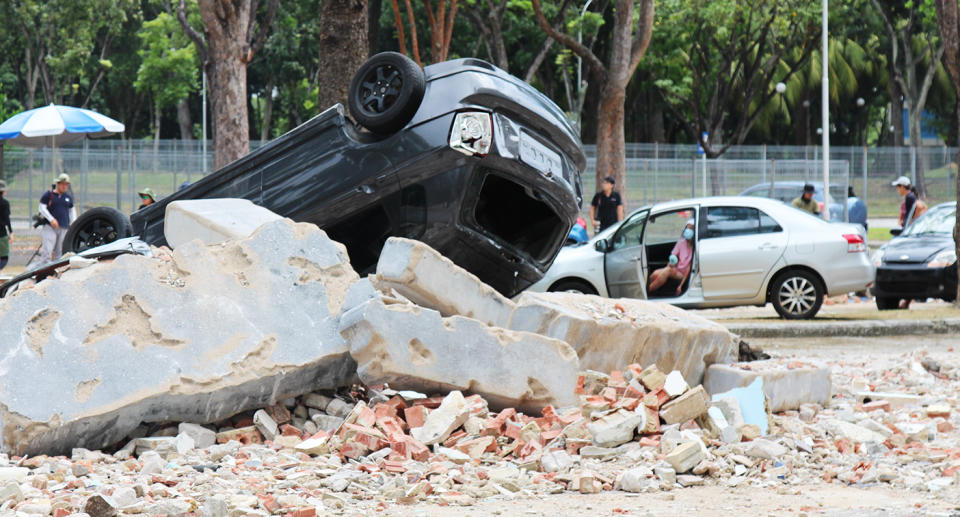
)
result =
(738, 247)
(624, 262)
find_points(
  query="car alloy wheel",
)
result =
(797, 295)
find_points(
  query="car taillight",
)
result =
(855, 243)
(472, 133)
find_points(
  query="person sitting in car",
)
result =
(679, 266)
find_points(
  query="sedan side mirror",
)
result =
(896, 231)
(602, 245)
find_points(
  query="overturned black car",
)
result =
(461, 155)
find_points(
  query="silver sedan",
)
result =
(746, 251)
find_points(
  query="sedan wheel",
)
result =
(572, 286)
(797, 295)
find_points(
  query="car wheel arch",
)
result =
(554, 287)
(792, 267)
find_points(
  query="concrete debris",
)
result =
(787, 384)
(410, 347)
(195, 335)
(378, 456)
(605, 333)
(213, 221)
(425, 277)
(256, 411)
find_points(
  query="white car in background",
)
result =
(747, 251)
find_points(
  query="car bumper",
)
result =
(916, 281)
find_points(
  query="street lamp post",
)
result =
(781, 88)
(860, 103)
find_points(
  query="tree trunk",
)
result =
(948, 19)
(374, 10)
(896, 108)
(343, 48)
(267, 112)
(227, 74)
(183, 117)
(611, 150)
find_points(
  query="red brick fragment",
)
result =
(415, 416)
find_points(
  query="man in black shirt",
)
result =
(606, 208)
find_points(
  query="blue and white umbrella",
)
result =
(52, 125)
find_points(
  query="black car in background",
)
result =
(921, 262)
(460, 155)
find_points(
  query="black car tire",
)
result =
(386, 92)
(572, 286)
(96, 227)
(796, 294)
(885, 303)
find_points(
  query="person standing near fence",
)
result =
(806, 201)
(912, 207)
(607, 207)
(856, 209)
(6, 229)
(56, 206)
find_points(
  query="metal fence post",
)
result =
(763, 165)
(864, 167)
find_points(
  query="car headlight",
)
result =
(943, 259)
(877, 257)
(472, 133)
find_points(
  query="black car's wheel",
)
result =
(885, 303)
(96, 227)
(796, 294)
(386, 92)
(572, 286)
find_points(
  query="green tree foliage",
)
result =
(719, 60)
(66, 45)
(169, 66)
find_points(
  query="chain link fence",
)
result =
(110, 172)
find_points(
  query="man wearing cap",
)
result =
(146, 198)
(607, 207)
(806, 201)
(56, 206)
(909, 195)
(6, 230)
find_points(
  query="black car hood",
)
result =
(906, 250)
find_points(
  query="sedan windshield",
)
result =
(933, 222)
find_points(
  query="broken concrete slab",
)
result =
(213, 220)
(786, 385)
(751, 402)
(410, 347)
(195, 336)
(686, 407)
(428, 279)
(616, 428)
(685, 456)
(451, 414)
(608, 334)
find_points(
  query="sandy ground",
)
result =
(708, 501)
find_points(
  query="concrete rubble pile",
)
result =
(231, 323)
(637, 430)
(262, 376)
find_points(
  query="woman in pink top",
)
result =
(679, 267)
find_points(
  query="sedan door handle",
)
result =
(767, 246)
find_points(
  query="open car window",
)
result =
(630, 232)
